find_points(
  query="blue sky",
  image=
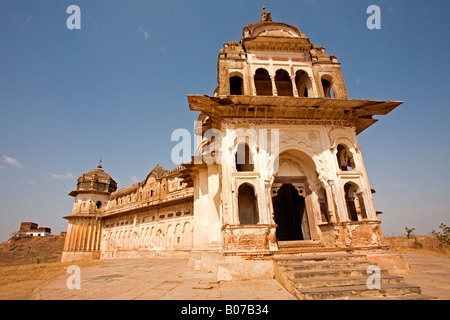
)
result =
(116, 89)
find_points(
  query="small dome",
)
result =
(271, 29)
(96, 180)
(268, 28)
(158, 171)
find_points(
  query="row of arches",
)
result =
(172, 237)
(284, 84)
(244, 159)
(354, 200)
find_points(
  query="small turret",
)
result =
(93, 190)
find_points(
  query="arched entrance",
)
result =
(292, 197)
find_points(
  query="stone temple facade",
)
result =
(278, 168)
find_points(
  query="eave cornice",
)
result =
(272, 107)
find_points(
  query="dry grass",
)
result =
(27, 264)
(423, 245)
(18, 282)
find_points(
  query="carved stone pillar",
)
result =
(269, 195)
(79, 234)
(253, 86)
(274, 86)
(310, 215)
(294, 86)
(94, 238)
(73, 234)
(330, 202)
(89, 237)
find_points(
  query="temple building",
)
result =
(278, 169)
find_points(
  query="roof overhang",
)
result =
(361, 112)
(74, 193)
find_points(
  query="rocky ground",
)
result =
(20, 251)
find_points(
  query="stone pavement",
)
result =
(173, 279)
(158, 279)
(431, 273)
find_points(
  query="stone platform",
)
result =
(173, 279)
(158, 279)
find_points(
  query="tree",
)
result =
(409, 232)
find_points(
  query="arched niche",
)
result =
(244, 158)
(354, 201)
(236, 85)
(327, 86)
(247, 205)
(345, 158)
(303, 83)
(283, 83)
(263, 83)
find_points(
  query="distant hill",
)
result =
(18, 251)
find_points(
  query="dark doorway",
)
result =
(289, 214)
(236, 85)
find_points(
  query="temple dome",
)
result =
(158, 171)
(271, 29)
(95, 181)
(268, 28)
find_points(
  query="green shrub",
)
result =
(417, 244)
(442, 237)
(39, 260)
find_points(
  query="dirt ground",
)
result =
(28, 263)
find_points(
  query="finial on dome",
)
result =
(265, 16)
(100, 164)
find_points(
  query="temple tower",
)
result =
(83, 239)
(278, 163)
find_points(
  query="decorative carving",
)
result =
(296, 122)
(265, 16)
(313, 137)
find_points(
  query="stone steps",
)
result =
(342, 281)
(358, 291)
(416, 296)
(293, 265)
(341, 272)
(321, 257)
(300, 244)
(339, 276)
